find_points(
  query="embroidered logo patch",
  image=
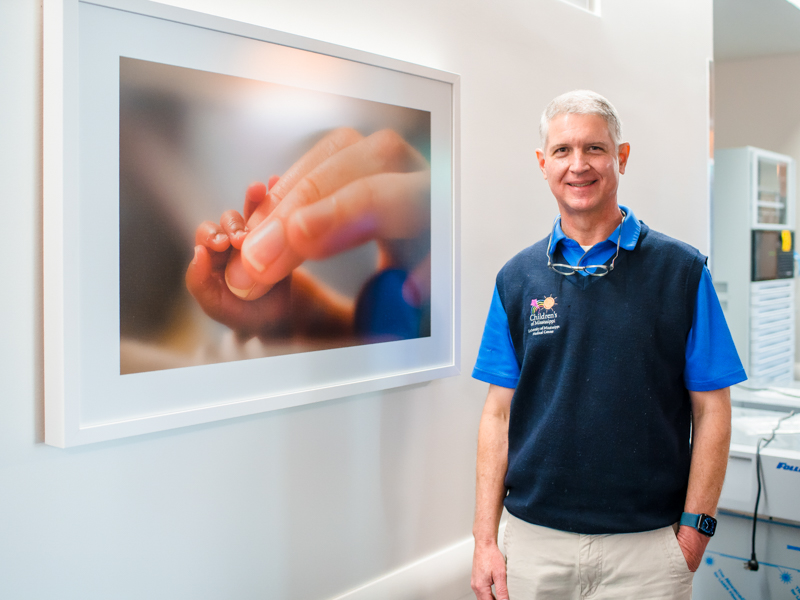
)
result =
(543, 316)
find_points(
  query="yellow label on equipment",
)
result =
(786, 240)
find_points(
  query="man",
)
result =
(605, 346)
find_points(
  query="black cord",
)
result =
(752, 564)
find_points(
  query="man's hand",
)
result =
(693, 544)
(488, 568)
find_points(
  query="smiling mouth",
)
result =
(580, 185)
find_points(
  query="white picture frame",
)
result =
(87, 397)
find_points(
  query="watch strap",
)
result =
(703, 523)
(690, 520)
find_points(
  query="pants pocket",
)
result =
(679, 565)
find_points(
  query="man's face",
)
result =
(581, 164)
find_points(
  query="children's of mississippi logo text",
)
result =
(543, 316)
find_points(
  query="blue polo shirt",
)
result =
(711, 359)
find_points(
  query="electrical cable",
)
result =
(752, 564)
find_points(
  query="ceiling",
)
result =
(751, 28)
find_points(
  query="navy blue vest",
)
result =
(598, 440)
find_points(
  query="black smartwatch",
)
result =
(702, 522)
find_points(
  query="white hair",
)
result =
(582, 102)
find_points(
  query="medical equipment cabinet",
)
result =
(752, 257)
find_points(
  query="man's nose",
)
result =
(579, 162)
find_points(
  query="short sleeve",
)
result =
(711, 358)
(497, 360)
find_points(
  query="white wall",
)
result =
(758, 104)
(309, 502)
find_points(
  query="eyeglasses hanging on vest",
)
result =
(593, 270)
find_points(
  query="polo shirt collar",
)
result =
(630, 231)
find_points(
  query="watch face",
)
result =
(707, 525)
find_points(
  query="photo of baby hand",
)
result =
(334, 252)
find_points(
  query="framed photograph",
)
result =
(237, 220)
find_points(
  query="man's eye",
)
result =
(560, 150)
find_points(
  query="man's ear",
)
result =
(540, 159)
(622, 155)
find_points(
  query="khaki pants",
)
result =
(549, 564)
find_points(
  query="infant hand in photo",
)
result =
(347, 190)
